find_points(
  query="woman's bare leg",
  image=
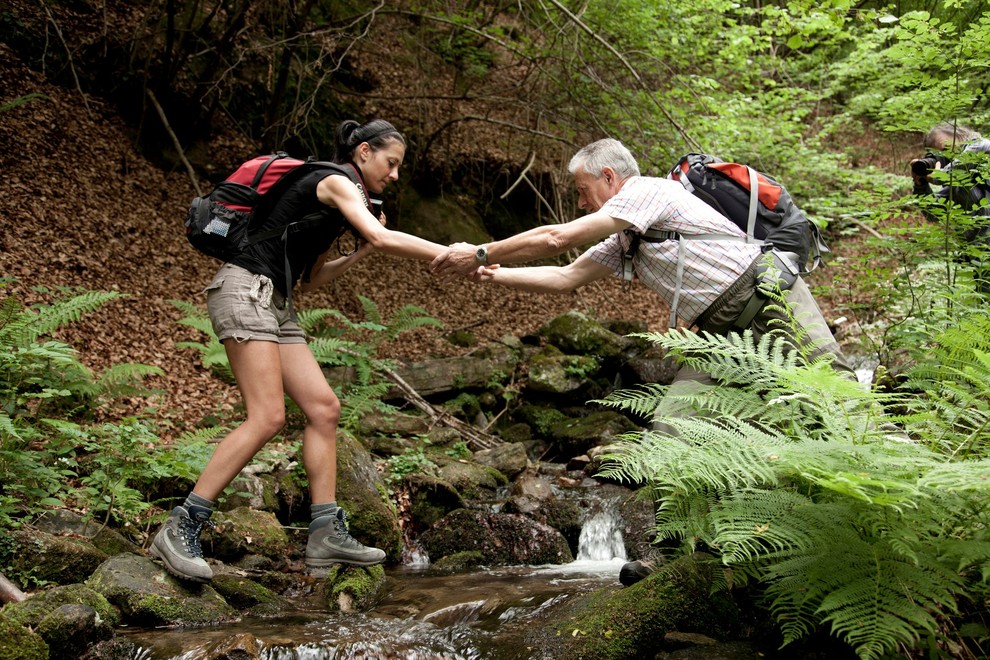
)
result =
(257, 367)
(305, 383)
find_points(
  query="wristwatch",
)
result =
(481, 255)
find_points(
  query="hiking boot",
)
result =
(177, 544)
(634, 571)
(331, 543)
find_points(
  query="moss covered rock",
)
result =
(353, 588)
(148, 596)
(47, 558)
(71, 629)
(632, 622)
(578, 334)
(472, 480)
(30, 612)
(19, 643)
(244, 530)
(249, 596)
(362, 493)
(430, 499)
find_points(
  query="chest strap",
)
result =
(660, 236)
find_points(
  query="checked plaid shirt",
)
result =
(710, 266)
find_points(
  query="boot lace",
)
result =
(340, 526)
(189, 531)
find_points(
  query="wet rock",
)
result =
(510, 459)
(50, 558)
(533, 486)
(117, 648)
(502, 538)
(19, 643)
(244, 646)
(70, 629)
(148, 596)
(459, 561)
(243, 531)
(638, 513)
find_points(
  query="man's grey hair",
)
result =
(604, 153)
(950, 135)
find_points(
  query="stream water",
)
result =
(422, 614)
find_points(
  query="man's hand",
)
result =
(457, 260)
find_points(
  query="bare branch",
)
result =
(68, 54)
(673, 122)
(529, 164)
(175, 141)
(475, 437)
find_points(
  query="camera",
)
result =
(924, 166)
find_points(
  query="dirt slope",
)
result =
(79, 207)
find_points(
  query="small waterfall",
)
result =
(414, 555)
(601, 536)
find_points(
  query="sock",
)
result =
(320, 510)
(199, 508)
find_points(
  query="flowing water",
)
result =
(423, 613)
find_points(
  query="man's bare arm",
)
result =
(545, 241)
(547, 279)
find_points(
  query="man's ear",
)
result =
(608, 174)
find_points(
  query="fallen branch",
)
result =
(477, 439)
(9, 593)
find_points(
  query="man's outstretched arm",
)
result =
(537, 243)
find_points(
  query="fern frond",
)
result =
(371, 310)
(642, 400)
(409, 317)
(203, 435)
(49, 318)
(200, 323)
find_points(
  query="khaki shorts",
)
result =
(244, 306)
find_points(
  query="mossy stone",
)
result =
(19, 643)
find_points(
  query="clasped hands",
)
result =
(458, 260)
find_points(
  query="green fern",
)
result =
(794, 475)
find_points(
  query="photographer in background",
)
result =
(964, 188)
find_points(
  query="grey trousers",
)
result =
(719, 319)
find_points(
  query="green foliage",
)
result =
(49, 454)
(412, 461)
(337, 342)
(27, 98)
(798, 480)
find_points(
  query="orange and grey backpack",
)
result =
(757, 204)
